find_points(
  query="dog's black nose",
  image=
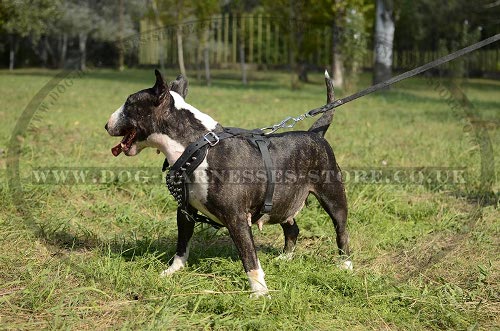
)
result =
(106, 127)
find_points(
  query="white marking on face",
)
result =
(205, 119)
(327, 76)
(257, 282)
(171, 148)
(198, 190)
(114, 118)
(178, 263)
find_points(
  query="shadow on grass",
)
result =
(202, 246)
(206, 243)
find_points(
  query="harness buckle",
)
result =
(211, 135)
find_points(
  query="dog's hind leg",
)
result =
(291, 232)
(185, 229)
(332, 198)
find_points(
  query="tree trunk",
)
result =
(384, 36)
(158, 25)
(180, 51)
(12, 51)
(82, 43)
(48, 52)
(241, 49)
(337, 61)
(121, 50)
(64, 48)
(206, 58)
(242, 63)
(43, 55)
(207, 67)
(199, 50)
(292, 58)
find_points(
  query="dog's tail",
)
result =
(322, 123)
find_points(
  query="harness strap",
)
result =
(271, 176)
(198, 218)
(210, 138)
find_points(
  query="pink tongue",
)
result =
(117, 149)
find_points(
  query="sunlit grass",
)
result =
(425, 257)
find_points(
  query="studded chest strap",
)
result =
(178, 176)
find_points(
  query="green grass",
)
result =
(425, 257)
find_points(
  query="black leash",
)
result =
(408, 74)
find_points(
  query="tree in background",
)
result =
(383, 41)
(52, 32)
(353, 42)
(117, 20)
(204, 10)
(173, 12)
(238, 8)
(348, 25)
(427, 25)
(24, 18)
(293, 20)
(52, 27)
(332, 12)
(83, 18)
(181, 9)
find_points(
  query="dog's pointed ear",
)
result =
(160, 88)
(180, 85)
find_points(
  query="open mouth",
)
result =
(125, 144)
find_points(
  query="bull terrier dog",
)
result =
(303, 163)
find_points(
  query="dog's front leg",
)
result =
(242, 237)
(185, 228)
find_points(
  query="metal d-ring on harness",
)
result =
(178, 176)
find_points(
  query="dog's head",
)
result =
(142, 113)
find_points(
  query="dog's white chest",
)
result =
(198, 190)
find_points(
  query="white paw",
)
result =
(285, 257)
(168, 272)
(347, 265)
(260, 294)
(257, 283)
(178, 263)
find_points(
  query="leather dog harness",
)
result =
(179, 174)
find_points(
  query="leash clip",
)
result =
(211, 135)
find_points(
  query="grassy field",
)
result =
(425, 256)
